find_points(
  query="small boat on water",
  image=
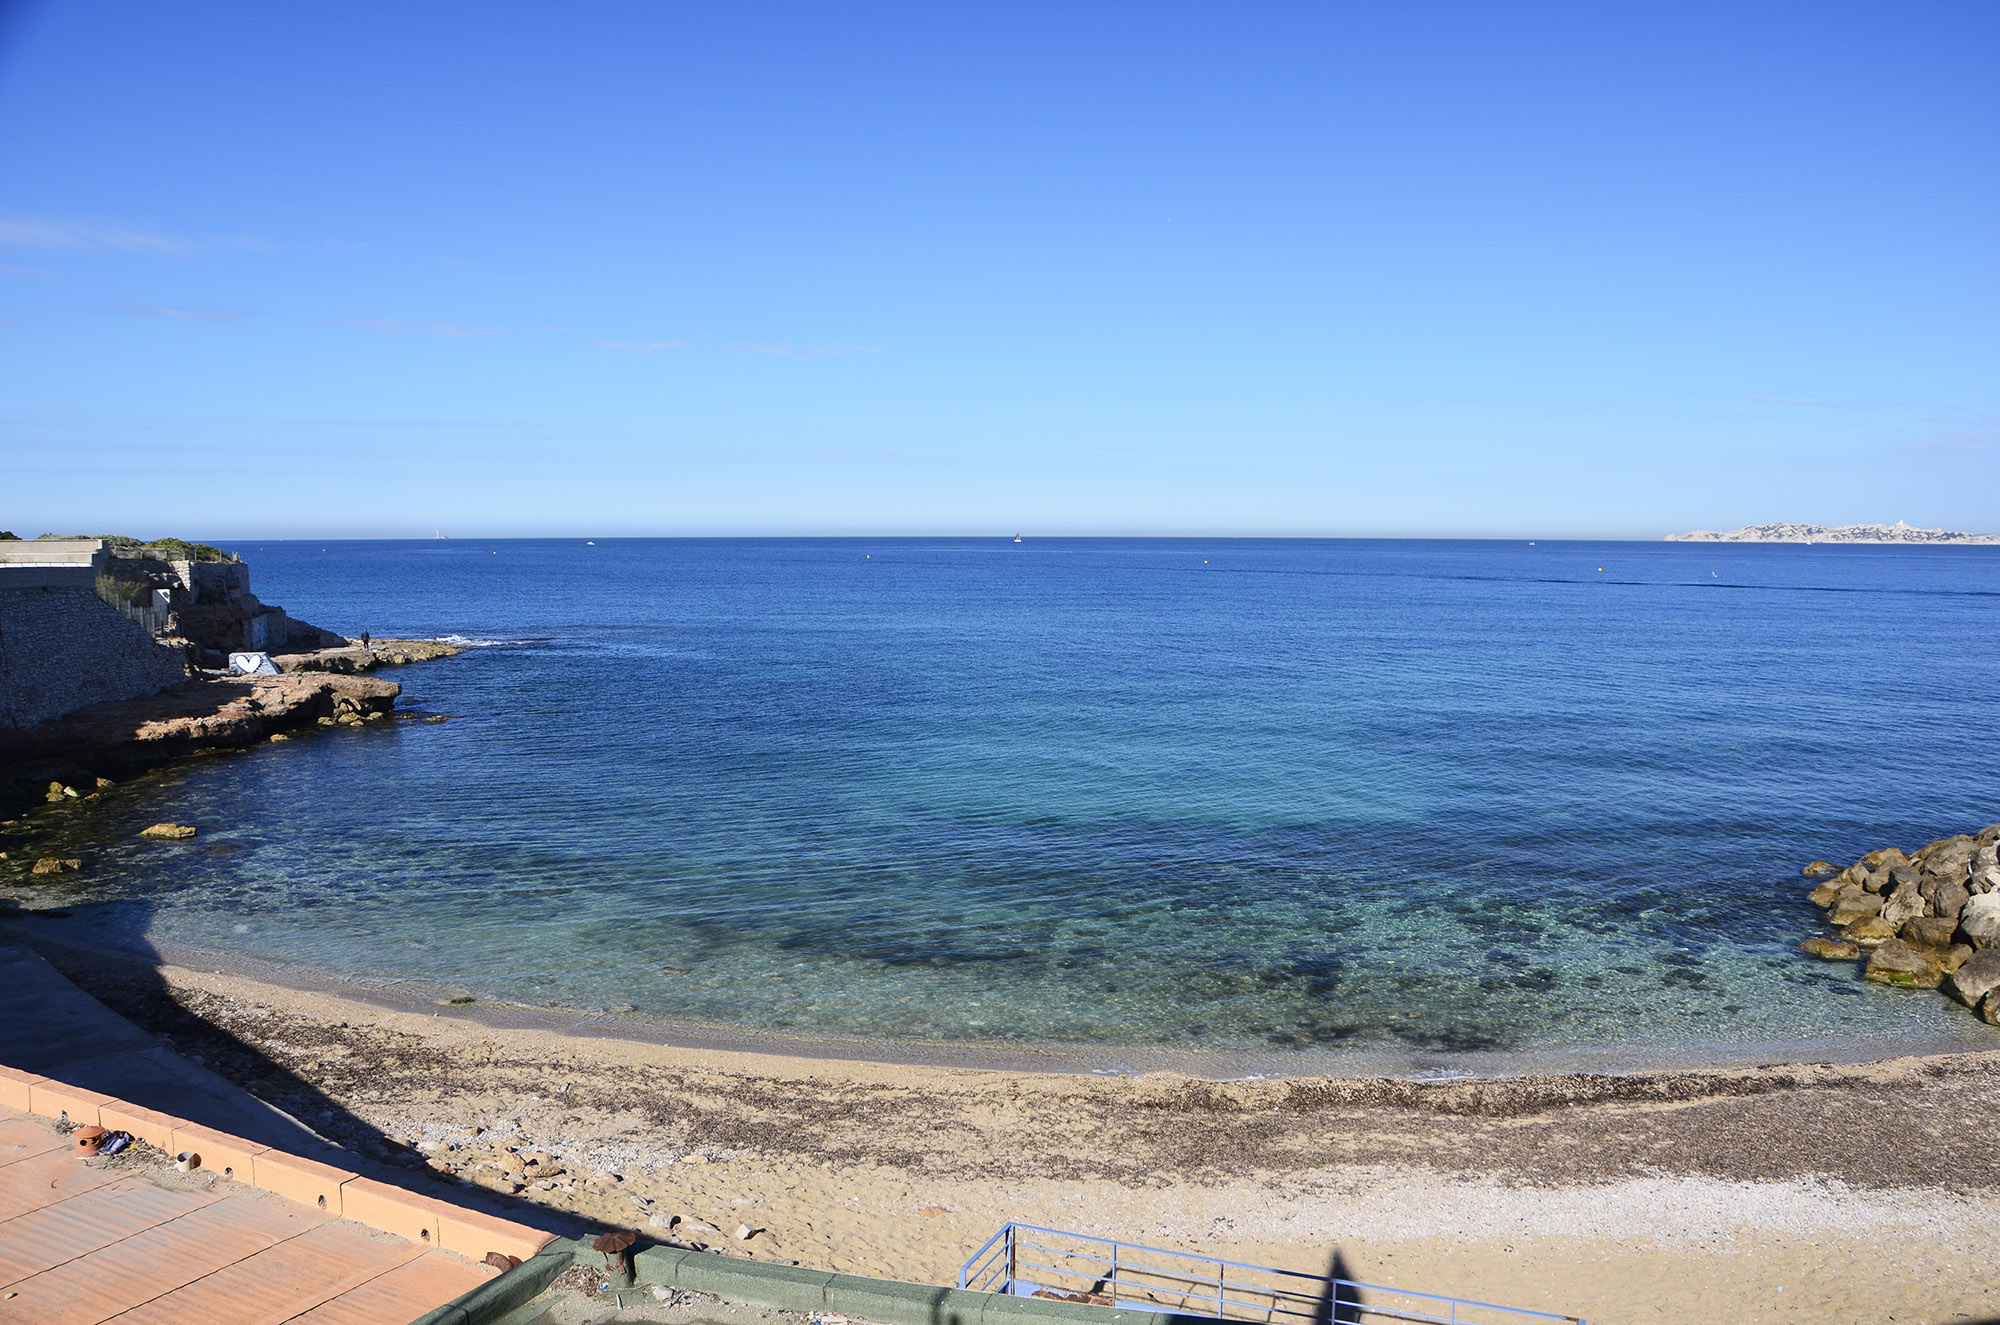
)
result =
(1017, 538)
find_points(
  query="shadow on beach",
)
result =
(107, 1020)
(1341, 1303)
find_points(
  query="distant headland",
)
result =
(1819, 533)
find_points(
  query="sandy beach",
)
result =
(1793, 1193)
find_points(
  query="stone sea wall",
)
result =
(61, 649)
(1925, 919)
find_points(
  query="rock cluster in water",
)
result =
(1926, 919)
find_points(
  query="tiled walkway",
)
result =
(84, 1243)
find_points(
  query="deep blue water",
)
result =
(1407, 799)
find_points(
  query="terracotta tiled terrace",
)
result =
(267, 1222)
(88, 1240)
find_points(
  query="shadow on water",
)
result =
(126, 1034)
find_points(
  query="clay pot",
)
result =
(89, 1140)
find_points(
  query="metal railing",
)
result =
(1026, 1261)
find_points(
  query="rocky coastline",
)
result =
(1791, 532)
(1923, 919)
(78, 754)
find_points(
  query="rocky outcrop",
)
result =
(72, 755)
(1925, 919)
(355, 657)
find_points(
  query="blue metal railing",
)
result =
(1026, 1261)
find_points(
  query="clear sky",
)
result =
(1312, 268)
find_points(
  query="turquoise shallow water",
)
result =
(1439, 802)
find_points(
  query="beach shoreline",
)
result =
(1811, 1192)
(400, 994)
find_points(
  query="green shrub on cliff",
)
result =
(122, 593)
(179, 549)
(9, 536)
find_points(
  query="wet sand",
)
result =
(1808, 1193)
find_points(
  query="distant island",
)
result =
(1819, 533)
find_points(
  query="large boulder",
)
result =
(1824, 895)
(1887, 858)
(1990, 1009)
(1903, 874)
(1985, 879)
(1833, 950)
(1979, 922)
(1948, 855)
(1898, 963)
(1853, 905)
(1928, 931)
(1870, 931)
(1947, 899)
(1978, 977)
(1906, 903)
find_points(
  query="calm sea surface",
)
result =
(1407, 804)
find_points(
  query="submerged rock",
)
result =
(1853, 905)
(1904, 965)
(1870, 931)
(1833, 950)
(171, 832)
(1820, 869)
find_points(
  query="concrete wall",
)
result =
(49, 563)
(61, 649)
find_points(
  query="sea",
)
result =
(1237, 806)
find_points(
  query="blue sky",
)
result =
(1475, 269)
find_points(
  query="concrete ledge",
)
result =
(894, 1303)
(52, 1099)
(472, 1233)
(496, 1297)
(409, 1216)
(883, 1301)
(785, 1287)
(14, 1085)
(219, 1152)
(306, 1181)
